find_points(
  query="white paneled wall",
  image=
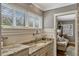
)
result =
(49, 32)
(16, 36)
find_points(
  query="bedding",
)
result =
(62, 43)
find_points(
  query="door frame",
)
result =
(55, 30)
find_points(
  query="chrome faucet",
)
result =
(34, 34)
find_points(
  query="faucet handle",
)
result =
(33, 34)
(3, 38)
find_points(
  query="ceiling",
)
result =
(48, 6)
(66, 17)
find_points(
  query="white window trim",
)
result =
(26, 18)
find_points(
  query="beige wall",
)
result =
(20, 35)
(49, 15)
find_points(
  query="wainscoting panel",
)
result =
(18, 35)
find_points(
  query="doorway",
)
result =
(65, 37)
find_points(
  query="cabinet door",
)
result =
(24, 52)
(43, 51)
(50, 49)
(40, 52)
(37, 53)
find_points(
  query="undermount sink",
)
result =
(42, 41)
(40, 44)
(35, 44)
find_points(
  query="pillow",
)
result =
(60, 39)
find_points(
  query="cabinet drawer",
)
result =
(40, 52)
(37, 53)
(24, 52)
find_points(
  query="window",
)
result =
(7, 16)
(12, 17)
(19, 18)
(40, 22)
(68, 29)
(31, 21)
(26, 19)
(37, 23)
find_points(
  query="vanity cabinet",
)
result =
(15, 51)
(50, 49)
(44, 51)
(24, 52)
(40, 52)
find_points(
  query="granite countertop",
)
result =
(11, 49)
(38, 46)
(33, 47)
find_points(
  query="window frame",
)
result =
(5, 15)
(15, 24)
(27, 16)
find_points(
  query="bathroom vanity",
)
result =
(39, 48)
